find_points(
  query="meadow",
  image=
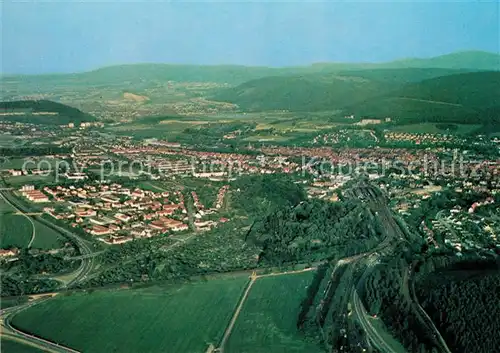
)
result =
(16, 231)
(267, 322)
(30, 163)
(171, 318)
(18, 181)
(255, 127)
(47, 238)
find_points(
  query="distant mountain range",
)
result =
(234, 74)
(458, 87)
(470, 98)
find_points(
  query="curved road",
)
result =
(33, 234)
(10, 332)
(374, 336)
(86, 266)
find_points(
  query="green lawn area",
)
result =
(10, 346)
(16, 181)
(5, 207)
(47, 238)
(30, 163)
(461, 129)
(12, 163)
(15, 231)
(175, 318)
(267, 322)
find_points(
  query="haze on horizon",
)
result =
(52, 37)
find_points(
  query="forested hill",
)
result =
(314, 92)
(42, 112)
(474, 90)
(411, 95)
(237, 74)
(476, 59)
(462, 98)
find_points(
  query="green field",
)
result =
(16, 181)
(15, 231)
(47, 238)
(9, 346)
(267, 322)
(30, 163)
(176, 318)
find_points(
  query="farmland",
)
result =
(18, 181)
(184, 318)
(16, 231)
(46, 238)
(267, 322)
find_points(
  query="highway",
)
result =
(374, 336)
(87, 261)
(420, 312)
(374, 199)
(86, 266)
(393, 236)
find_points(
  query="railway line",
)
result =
(394, 235)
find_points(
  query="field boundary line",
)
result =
(236, 313)
(273, 274)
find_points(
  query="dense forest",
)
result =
(18, 285)
(28, 264)
(463, 302)
(26, 274)
(387, 296)
(219, 250)
(258, 196)
(315, 230)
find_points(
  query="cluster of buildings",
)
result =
(345, 136)
(220, 196)
(9, 252)
(467, 231)
(421, 139)
(33, 195)
(202, 164)
(117, 212)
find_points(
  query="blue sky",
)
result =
(70, 35)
